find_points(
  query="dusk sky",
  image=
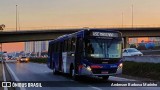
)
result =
(51, 13)
(41, 13)
(10, 47)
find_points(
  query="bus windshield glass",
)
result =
(103, 48)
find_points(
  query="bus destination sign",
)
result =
(104, 34)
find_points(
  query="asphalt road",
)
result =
(40, 72)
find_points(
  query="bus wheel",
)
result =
(105, 77)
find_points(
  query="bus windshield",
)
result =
(103, 48)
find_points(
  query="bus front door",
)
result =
(79, 53)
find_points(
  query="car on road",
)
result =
(5, 57)
(10, 57)
(23, 59)
(132, 52)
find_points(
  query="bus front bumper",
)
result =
(88, 72)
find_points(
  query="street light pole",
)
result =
(16, 17)
(122, 19)
(132, 15)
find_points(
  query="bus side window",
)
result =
(79, 49)
(59, 47)
(56, 47)
(80, 45)
(69, 45)
(65, 46)
(73, 44)
(53, 48)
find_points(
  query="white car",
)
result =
(5, 57)
(132, 52)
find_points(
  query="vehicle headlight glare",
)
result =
(89, 68)
(121, 65)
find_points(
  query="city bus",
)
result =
(89, 52)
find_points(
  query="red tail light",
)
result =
(80, 66)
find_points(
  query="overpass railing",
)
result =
(78, 27)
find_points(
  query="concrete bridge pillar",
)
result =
(125, 42)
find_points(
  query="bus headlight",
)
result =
(120, 65)
(119, 69)
(89, 68)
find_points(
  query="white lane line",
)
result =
(114, 78)
(14, 75)
(4, 76)
(94, 87)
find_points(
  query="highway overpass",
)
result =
(50, 34)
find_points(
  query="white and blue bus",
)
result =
(90, 52)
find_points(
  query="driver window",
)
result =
(90, 48)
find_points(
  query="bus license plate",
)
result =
(104, 72)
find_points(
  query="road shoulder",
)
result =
(1, 75)
(134, 78)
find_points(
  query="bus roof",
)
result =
(81, 32)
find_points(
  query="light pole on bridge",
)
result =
(16, 17)
(132, 15)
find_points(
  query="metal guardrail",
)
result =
(144, 59)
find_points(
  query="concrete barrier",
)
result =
(148, 59)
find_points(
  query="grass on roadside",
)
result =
(146, 70)
(38, 60)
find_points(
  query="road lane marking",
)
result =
(94, 87)
(14, 75)
(4, 76)
(114, 78)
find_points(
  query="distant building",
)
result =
(145, 42)
(36, 46)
